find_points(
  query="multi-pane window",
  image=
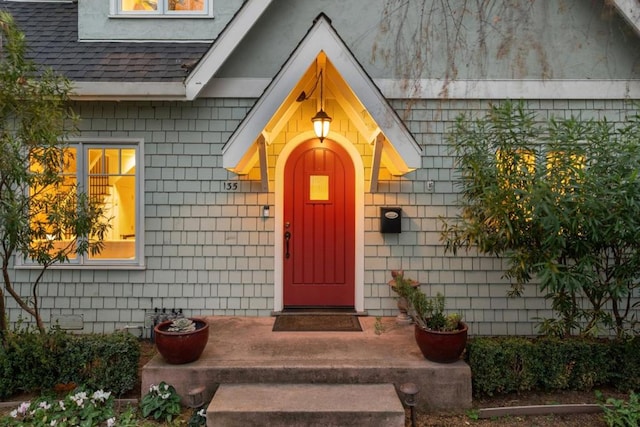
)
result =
(110, 176)
(163, 7)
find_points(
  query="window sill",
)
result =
(69, 266)
(159, 16)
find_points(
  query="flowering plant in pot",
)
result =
(181, 340)
(441, 337)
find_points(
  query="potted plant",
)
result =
(441, 338)
(402, 287)
(181, 340)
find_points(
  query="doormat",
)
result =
(317, 323)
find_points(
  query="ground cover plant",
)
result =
(160, 406)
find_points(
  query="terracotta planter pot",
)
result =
(181, 347)
(442, 347)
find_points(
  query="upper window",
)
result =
(164, 7)
(110, 175)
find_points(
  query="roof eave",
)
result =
(224, 45)
(127, 91)
(630, 10)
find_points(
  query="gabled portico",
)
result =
(364, 124)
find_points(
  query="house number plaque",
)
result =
(228, 186)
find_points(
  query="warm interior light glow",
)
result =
(319, 187)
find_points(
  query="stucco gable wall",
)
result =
(525, 39)
(209, 252)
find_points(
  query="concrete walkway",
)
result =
(244, 350)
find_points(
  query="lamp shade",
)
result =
(321, 122)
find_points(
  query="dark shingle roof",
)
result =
(51, 31)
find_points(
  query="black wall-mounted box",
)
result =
(390, 220)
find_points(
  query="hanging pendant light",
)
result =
(321, 121)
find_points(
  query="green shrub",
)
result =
(514, 364)
(32, 362)
(33, 359)
(108, 362)
(501, 365)
(573, 363)
(625, 364)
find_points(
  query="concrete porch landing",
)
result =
(244, 350)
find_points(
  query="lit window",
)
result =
(563, 170)
(318, 187)
(516, 173)
(515, 168)
(163, 7)
(109, 175)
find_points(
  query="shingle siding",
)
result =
(209, 252)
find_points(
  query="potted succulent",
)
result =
(441, 338)
(181, 340)
(402, 287)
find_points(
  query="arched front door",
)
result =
(319, 226)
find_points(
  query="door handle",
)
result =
(287, 237)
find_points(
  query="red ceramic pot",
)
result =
(181, 347)
(442, 347)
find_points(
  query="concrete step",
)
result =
(326, 405)
(246, 351)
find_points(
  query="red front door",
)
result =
(319, 226)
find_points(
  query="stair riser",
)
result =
(306, 419)
(451, 380)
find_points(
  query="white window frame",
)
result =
(162, 12)
(82, 146)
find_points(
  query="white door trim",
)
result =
(279, 213)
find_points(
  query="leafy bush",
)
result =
(31, 361)
(107, 361)
(573, 363)
(559, 202)
(501, 365)
(625, 364)
(514, 364)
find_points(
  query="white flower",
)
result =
(24, 406)
(44, 405)
(14, 413)
(61, 403)
(165, 396)
(79, 398)
(53, 423)
(202, 413)
(111, 422)
(154, 388)
(101, 396)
